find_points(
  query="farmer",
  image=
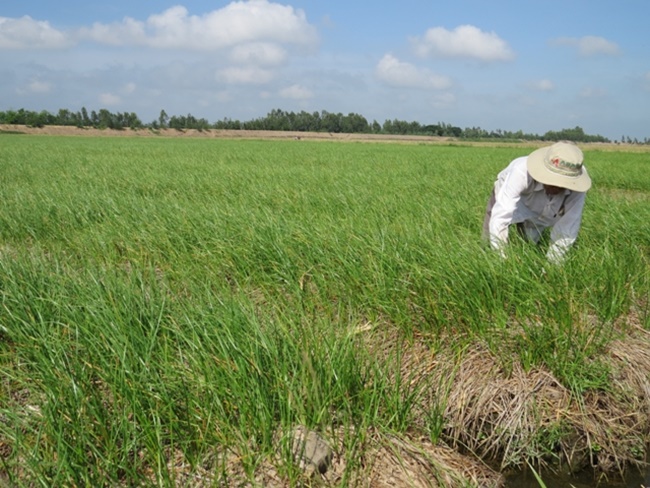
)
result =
(544, 189)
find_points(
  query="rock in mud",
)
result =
(311, 450)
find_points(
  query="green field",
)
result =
(173, 307)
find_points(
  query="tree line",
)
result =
(280, 120)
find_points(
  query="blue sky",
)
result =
(501, 64)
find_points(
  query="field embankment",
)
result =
(173, 308)
(291, 135)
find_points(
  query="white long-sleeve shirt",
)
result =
(519, 198)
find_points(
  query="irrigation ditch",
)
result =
(518, 421)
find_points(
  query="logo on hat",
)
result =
(563, 166)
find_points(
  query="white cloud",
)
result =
(542, 85)
(398, 73)
(39, 87)
(129, 88)
(108, 99)
(249, 75)
(296, 92)
(259, 53)
(27, 33)
(130, 31)
(590, 45)
(465, 41)
(34, 87)
(240, 22)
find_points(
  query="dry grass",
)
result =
(387, 461)
(513, 417)
(417, 462)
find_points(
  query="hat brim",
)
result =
(539, 172)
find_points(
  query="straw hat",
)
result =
(559, 165)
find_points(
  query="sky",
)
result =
(511, 65)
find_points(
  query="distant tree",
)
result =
(133, 121)
(40, 119)
(21, 116)
(64, 117)
(163, 119)
(577, 134)
(432, 130)
(7, 117)
(228, 124)
(202, 124)
(331, 122)
(175, 122)
(400, 127)
(354, 124)
(279, 119)
(316, 122)
(105, 119)
(455, 131)
(305, 122)
(85, 120)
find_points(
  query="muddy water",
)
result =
(526, 479)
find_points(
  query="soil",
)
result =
(213, 133)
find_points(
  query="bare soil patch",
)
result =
(215, 134)
(292, 135)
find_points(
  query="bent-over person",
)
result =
(545, 189)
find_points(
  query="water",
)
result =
(526, 479)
